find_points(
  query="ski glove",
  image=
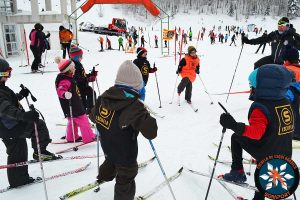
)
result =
(68, 95)
(197, 70)
(30, 116)
(227, 121)
(245, 40)
(24, 92)
(154, 69)
(178, 70)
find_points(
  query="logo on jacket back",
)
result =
(277, 177)
(104, 117)
(286, 119)
(145, 70)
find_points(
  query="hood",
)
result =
(117, 98)
(272, 82)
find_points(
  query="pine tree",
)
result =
(293, 8)
(267, 11)
(231, 10)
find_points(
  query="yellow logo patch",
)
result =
(145, 70)
(104, 117)
(286, 119)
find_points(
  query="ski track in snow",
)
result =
(184, 137)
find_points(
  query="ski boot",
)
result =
(237, 176)
(46, 156)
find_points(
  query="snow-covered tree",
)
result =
(231, 10)
(293, 8)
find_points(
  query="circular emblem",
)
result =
(277, 177)
(286, 42)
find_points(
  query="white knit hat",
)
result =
(130, 75)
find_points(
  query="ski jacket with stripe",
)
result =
(278, 42)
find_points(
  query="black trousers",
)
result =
(87, 97)
(37, 58)
(17, 151)
(238, 143)
(232, 41)
(66, 48)
(187, 84)
(121, 45)
(125, 184)
(261, 45)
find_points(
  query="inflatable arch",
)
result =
(147, 3)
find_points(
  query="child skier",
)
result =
(15, 126)
(70, 100)
(188, 68)
(82, 79)
(291, 62)
(126, 116)
(143, 64)
(120, 41)
(266, 134)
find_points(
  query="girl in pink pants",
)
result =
(69, 95)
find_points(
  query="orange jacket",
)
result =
(295, 68)
(101, 40)
(189, 70)
(65, 36)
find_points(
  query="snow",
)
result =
(185, 138)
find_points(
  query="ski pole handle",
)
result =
(224, 129)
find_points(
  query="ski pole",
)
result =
(97, 134)
(234, 72)
(157, 88)
(44, 62)
(216, 160)
(211, 101)
(39, 150)
(162, 169)
(174, 89)
(72, 124)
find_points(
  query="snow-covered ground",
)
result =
(185, 138)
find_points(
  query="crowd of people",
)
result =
(274, 83)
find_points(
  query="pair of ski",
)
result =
(97, 184)
(40, 180)
(75, 148)
(30, 162)
(190, 104)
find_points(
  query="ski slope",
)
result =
(185, 138)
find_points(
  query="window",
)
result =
(11, 39)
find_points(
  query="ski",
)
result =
(229, 190)
(75, 148)
(96, 183)
(160, 186)
(225, 162)
(61, 124)
(151, 111)
(192, 106)
(29, 162)
(228, 147)
(220, 178)
(64, 142)
(40, 180)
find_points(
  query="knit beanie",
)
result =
(191, 49)
(252, 78)
(291, 54)
(4, 68)
(129, 75)
(64, 65)
(75, 51)
(140, 51)
(284, 20)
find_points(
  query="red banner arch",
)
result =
(147, 3)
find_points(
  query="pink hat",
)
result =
(64, 65)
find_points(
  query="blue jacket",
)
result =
(273, 82)
(290, 95)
